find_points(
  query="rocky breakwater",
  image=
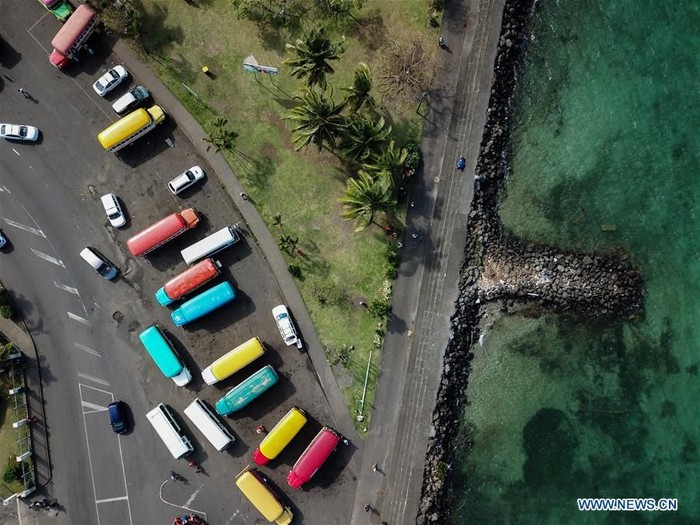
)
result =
(499, 267)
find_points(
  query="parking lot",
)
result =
(70, 115)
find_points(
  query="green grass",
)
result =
(8, 437)
(303, 187)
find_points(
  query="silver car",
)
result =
(110, 80)
(113, 210)
(19, 132)
(185, 180)
(286, 326)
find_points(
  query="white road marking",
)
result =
(93, 406)
(79, 319)
(57, 262)
(5, 189)
(87, 349)
(108, 500)
(194, 495)
(160, 495)
(67, 288)
(16, 152)
(29, 229)
(95, 379)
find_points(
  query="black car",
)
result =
(117, 416)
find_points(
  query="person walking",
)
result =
(375, 467)
(24, 92)
(441, 42)
(243, 196)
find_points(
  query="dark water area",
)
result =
(606, 158)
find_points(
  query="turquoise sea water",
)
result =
(606, 157)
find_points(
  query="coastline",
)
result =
(499, 267)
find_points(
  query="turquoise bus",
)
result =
(204, 303)
(162, 352)
(242, 394)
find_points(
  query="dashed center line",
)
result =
(57, 262)
(67, 288)
(79, 319)
(87, 349)
(26, 228)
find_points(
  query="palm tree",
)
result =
(366, 195)
(317, 120)
(313, 53)
(221, 138)
(364, 138)
(359, 96)
(391, 159)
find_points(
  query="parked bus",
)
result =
(169, 431)
(233, 361)
(263, 498)
(58, 8)
(166, 229)
(203, 304)
(212, 244)
(280, 436)
(72, 36)
(209, 425)
(188, 281)
(127, 129)
(162, 352)
(245, 392)
(315, 455)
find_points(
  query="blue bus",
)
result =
(162, 352)
(242, 394)
(204, 303)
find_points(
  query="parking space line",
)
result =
(87, 349)
(67, 288)
(26, 228)
(95, 379)
(79, 319)
(95, 407)
(57, 262)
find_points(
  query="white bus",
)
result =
(208, 246)
(209, 425)
(169, 431)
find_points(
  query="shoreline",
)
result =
(499, 267)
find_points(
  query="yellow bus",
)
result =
(126, 130)
(280, 436)
(231, 362)
(262, 497)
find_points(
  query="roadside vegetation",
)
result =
(11, 479)
(325, 148)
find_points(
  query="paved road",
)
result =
(425, 292)
(86, 328)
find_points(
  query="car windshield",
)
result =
(23, 131)
(114, 74)
(113, 215)
(189, 175)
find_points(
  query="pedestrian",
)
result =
(413, 204)
(367, 507)
(243, 196)
(195, 466)
(375, 467)
(461, 163)
(260, 429)
(441, 42)
(362, 303)
(414, 235)
(24, 92)
(345, 441)
(32, 419)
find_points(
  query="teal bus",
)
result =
(242, 394)
(204, 303)
(161, 350)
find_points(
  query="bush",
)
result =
(437, 5)
(13, 471)
(294, 270)
(7, 311)
(441, 470)
(379, 309)
(328, 293)
(413, 158)
(342, 355)
(433, 21)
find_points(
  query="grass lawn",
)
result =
(8, 437)
(303, 187)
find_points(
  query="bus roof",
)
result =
(126, 126)
(71, 30)
(161, 231)
(315, 455)
(261, 496)
(280, 436)
(160, 350)
(241, 356)
(187, 281)
(204, 303)
(245, 392)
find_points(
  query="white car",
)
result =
(185, 180)
(3, 240)
(110, 80)
(286, 326)
(18, 132)
(114, 210)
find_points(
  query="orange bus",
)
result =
(188, 281)
(162, 231)
(315, 455)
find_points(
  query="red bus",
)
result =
(188, 281)
(315, 455)
(162, 231)
(72, 36)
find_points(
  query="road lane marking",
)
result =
(92, 378)
(29, 229)
(194, 495)
(57, 262)
(67, 288)
(5, 189)
(16, 152)
(109, 500)
(79, 319)
(93, 406)
(87, 349)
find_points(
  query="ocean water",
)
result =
(606, 157)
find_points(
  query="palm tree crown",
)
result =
(359, 96)
(313, 53)
(366, 195)
(364, 138)
(317, 120)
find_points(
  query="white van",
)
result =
(99, 263)
(212, 244)
(209, 425)
(169, 431)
